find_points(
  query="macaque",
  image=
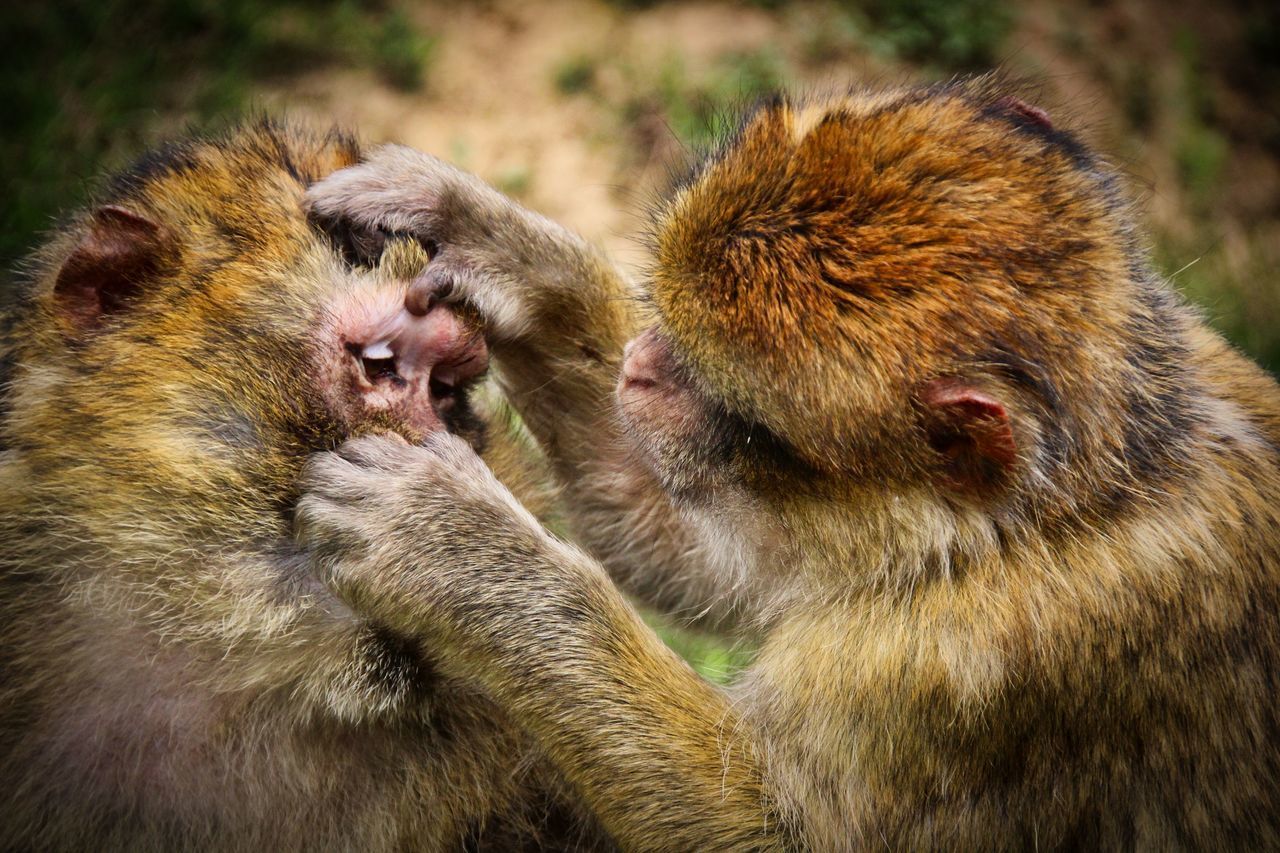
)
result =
(905, 402)
(172, 674)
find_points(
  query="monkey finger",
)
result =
(438, 284)
(395, 187)
(320, 523)
(451, 449)
(457, 275)
(458, 473)
(330, 476)
(384, 451)
(346, 197)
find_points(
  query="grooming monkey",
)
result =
(914, 411)
(171, 674)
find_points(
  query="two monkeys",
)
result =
(902, 400)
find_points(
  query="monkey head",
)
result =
(196, 310)
(930, 292)
(185, 345)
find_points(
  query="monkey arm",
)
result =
(657, 752)
(426, 541)
(558, 314)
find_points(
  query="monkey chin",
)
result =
(383, 361)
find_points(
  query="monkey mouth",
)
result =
(379, 365)
(413, 367)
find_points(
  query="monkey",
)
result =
(172, 675)
(900, 398)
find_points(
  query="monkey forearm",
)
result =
(559, 367)
(540, 626)
(659, 754)
(558, 328)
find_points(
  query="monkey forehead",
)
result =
(889, 194)
(850, 243)
(236, 193)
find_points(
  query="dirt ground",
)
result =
(491, 103)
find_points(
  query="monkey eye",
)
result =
(379, 368)
(358, 246)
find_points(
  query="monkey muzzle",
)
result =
(408, 361)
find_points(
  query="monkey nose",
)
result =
(415, 365)
(646, 360)
(441, 347)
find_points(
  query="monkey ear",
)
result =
(117, 253)
(1024, 112)
(971, 431)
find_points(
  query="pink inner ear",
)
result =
(1032, 113)
(959, 409)
(117, 252)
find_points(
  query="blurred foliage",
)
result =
(701, 111)
(575, 75)
(515, 181)
(1201, 149)
(1255, 69)
(86, 83)
(1236, 290)
(1138, 97)
(1225, 266)
(399, 52)
(709, 655)
(958, 35)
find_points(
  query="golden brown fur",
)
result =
(171, 675)
(916, 413)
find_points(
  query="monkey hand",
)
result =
(425, 540)
(486, 249)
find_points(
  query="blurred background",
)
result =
(580, 108)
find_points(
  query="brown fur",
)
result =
(171, 675)
(1045, 617)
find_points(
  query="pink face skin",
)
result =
(382, 354)
(656, 402)
(648, 370)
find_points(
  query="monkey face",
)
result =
(203, 290)
(694, 444)
(193, 339)
(666, 415)
(385, 357)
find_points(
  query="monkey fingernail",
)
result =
(426, 292)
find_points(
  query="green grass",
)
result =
(702, 110)
(1201, 149)
(713, 657)
(955, 35)
(1237, 283)
(401, 53)
(86, 84)
(1240, 299)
